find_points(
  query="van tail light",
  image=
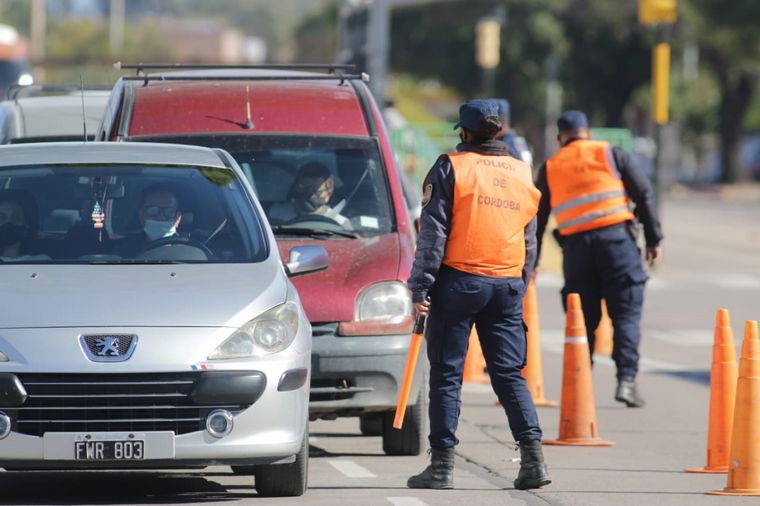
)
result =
(376, 327)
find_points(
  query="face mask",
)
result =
(10, 233)
(155, 229)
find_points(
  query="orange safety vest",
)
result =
(586, 190)
(494, 200)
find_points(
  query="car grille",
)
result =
(111, 403)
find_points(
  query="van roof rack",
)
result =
(330, 67)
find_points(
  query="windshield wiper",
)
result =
(312, 232)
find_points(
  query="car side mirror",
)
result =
(306, 259)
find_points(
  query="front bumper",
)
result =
(352, 375)
(269, 424)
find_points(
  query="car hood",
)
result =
(187, 295)
(330, 295)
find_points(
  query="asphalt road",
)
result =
(712, 260)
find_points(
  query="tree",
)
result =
(728, 36)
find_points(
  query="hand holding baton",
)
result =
(411, 364)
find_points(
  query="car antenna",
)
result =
(248, 122)
(84, 117)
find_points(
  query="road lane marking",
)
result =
(351, 469)
(406, 501)
(553, 343)
(737, 281)
(699, 337)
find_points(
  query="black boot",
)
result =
(440, 472)
(533, 473)
(626, 392)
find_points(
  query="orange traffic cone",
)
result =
(744, 457)
(533, 370)
(577, 418)
(603, 334)
(722, 396)
(474, 363)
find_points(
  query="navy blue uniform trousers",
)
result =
(494, 305)
(606, 264)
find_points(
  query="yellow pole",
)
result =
(661, 81)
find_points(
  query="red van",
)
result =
(312, 142)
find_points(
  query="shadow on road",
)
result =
(112, 488)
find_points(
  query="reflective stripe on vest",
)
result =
(494, 200)
(586, 190)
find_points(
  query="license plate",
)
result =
(109, 450)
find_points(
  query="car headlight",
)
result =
(383, 301)
(3, 357)
(382, 308)
(270, 332)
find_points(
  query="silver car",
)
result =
(147, 320)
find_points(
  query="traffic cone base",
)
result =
(578, 442)
(737, 491)
(705, 470)
(543, 403)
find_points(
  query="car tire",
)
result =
(371, 424)
(285, 480)
(409, 439)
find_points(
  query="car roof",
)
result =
(57, 153)
(59, 115)
(319, 106)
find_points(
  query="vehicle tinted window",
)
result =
(127, 214)
(289, 172)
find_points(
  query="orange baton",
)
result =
(411, 364)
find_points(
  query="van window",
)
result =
(287, 173)
(127, 214)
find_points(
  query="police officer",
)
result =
(589, 187)
(517, 147)
(474, 254)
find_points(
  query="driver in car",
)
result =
(159, 216)
(309, 196)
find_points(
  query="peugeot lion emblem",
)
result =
(108, 348)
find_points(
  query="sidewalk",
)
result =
(652, 445)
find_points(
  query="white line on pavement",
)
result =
(682, 337)
(351, 469)
(554, 344)
(406, 501)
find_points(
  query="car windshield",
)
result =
(127, 214)
(318, 183)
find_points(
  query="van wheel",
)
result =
(371, 424)
(285, 480)
(244, 470)
(408, 439)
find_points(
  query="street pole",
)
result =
(660, 88)
(37, 29)
(662, 14)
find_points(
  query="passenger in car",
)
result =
(18, 219)
(159, 215)
(309, 196)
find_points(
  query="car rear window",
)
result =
(132, 213)
(359, 201)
